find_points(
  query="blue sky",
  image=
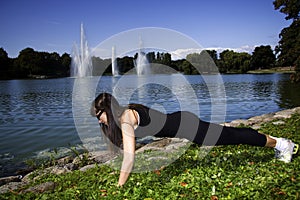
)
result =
(54, 25)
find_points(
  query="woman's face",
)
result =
(102, 117)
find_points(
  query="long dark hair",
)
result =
(105, 102)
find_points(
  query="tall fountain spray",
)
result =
(114, 64)
(141, 63)
(81, 65)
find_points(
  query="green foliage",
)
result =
(226, 172)
(289, 45)
(30, 63)
(203, 62)
(263, 58)
(288, 49)
(5, 64)
(231, 61)
(289, 7)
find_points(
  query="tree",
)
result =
(243, 62)
(28, 61)
(263, 58)
(213, 54)
(66, 64)
(151, 56)
(289, 7)
(101, 66)
(288, 49)
(3, 56)
(4, 61)
(196, 62)
(202, 62)
(236, 62)
(187, 67)
(166, 59)
(289, 45)
(226, 60)
(125, 64)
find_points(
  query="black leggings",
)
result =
(187, 125)
(228, 135)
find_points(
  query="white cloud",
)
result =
(182, 53)
(246, 48)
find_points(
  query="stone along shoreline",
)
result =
(84, 162)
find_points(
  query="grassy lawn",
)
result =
(226, 172)
(273, 70)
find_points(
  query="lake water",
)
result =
(39, 117)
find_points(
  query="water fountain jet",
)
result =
(141, 63)
(114, 64)
(81, 64)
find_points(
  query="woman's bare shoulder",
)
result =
(129, 116)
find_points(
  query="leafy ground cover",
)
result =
(226, 172)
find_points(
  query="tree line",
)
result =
(31, 63)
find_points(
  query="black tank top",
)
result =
(143, 111)
(154, 123)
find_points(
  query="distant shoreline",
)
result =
(287, 70)
(273, 70)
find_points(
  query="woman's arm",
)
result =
(128, 121)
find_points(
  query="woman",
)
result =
(122, 125)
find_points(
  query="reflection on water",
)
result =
(37, 115)
(252, 95)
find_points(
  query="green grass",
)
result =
(273, 70)
(226, 172)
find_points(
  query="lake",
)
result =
(44, 118)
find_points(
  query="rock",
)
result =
(32, 176)
(257, 121)
(78, 160)
(284, 114)
(160, 143)
(8, 179)
(278, 122)
(296, 110)
(71, 166)
(35, 175)
(165, 144)
(65, 160)
(256, 126)
(87, 167)
(59, 170)
(102, 156)
(11, 186)
(44, 187)
(236, 123)
(176, 143)
(155, 146)
(268, 117)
